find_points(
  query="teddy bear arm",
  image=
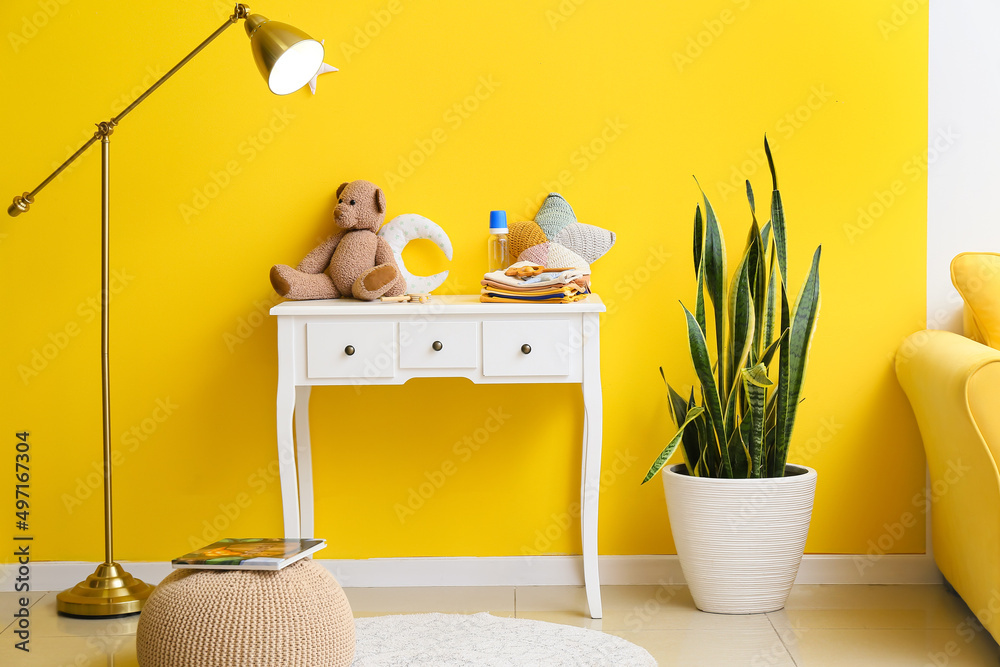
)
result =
(319, 258)
(384, 254)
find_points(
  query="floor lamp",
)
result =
(288, 59)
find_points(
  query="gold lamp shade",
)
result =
(286, 57)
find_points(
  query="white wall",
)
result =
(963, 176)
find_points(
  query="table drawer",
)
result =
(350, 349)
(529, 347)
(438, 345)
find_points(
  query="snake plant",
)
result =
(738, 422)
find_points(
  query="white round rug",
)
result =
(483, 640)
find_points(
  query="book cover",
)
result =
(250, 553)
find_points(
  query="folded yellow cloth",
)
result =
(486, 297)
(556, 290)
(531, 288)
(548, 287)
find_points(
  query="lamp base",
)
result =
(109, 592)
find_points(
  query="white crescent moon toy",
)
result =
(404, 228)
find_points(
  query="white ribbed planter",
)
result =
(740, 541)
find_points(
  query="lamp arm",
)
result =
(22, 202)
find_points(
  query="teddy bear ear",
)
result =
(379, 200)
(341, 188)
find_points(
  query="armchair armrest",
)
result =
(953, 384)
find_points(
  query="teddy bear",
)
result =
(354, 261)
(556, 238)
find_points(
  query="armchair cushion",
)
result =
(976, 276)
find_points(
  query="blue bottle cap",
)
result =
(498, 221)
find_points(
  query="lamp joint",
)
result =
(21, 204)
(106, 128)
(240, 12)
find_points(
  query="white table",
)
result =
(344, 342)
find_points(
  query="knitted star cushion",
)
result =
(295, 617)
(588, 241)
(556, 222)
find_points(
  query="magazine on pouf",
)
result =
(250, 553)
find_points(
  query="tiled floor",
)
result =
(883, 626)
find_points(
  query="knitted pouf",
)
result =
(295, 617)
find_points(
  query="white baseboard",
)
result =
(518, 571)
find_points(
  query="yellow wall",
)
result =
(455, 108)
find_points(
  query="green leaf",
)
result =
(699, 304)
(769, 352)
(772, 286)
(731, 417)
(769, 437)
(714, 454)
(696, 443)
(777, 219)
(661, 460)
(776, 466)
(754, 247)
(715, 277)
(739, 453)
(770, 164)
(803, 326)
(692, 446)
(757, 277)
(699, 239)
(692, 442)
(710, 391)
(755, 399)
(678, 406)
(757, 376)
(742, 322)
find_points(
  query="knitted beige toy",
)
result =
(555, 238)
(354, 261)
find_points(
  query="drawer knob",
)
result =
(526, 349)
(437, 346)
(349, 350)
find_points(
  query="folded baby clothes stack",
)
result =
(526, 282)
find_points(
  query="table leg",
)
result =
(592, 432)
(583, 474)
(302, 446)
(286, 441)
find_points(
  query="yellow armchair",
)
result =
(953, 384)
